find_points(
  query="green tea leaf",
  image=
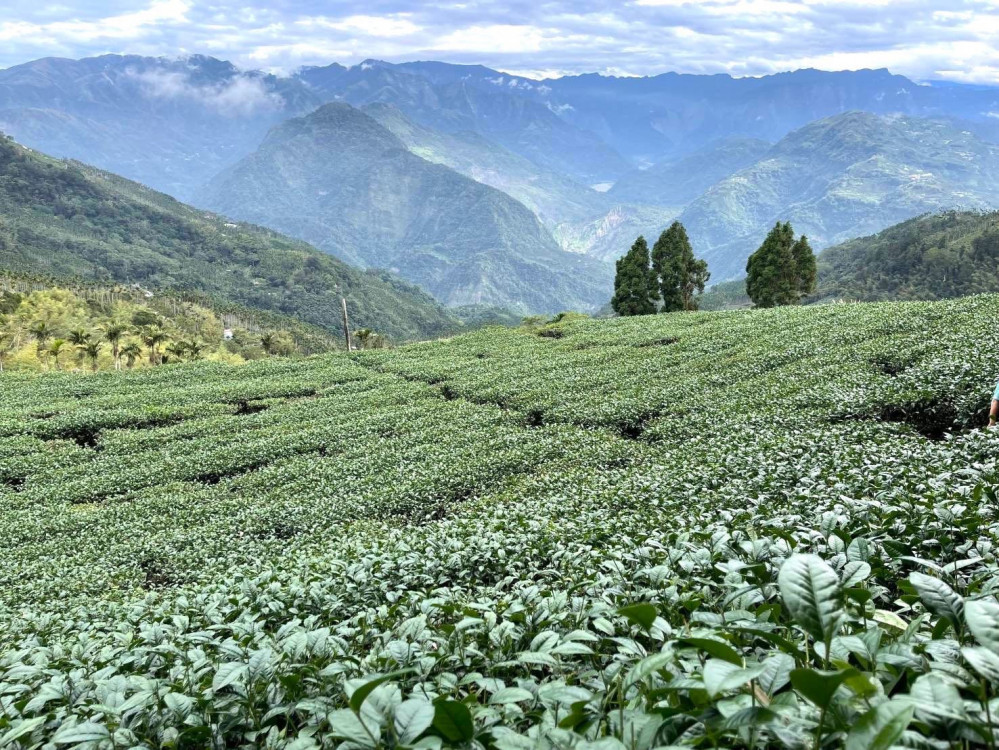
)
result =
(819, 686)
(983, 661)
(642, 614)
(358, 696)
(510, 695)
(715, 648)
(982, 616)
(721, 676)
(22, 729)
(939, 598)
(347, 725)
(412, 718)
(453, 720)
(880, 727)
(810, 589)
(77, 733)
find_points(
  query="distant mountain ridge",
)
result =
(668, 115)
(519, 123)
(169, 124)
(580, 219)
(340, 180)
(841, 177)
(663, 144)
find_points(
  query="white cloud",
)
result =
(375, 26)
(504, 38)
(918, 38)
(124, 26)
(240, 96)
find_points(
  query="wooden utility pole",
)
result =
(346, 324)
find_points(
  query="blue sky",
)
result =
(957, 40)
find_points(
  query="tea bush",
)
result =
(752, 529)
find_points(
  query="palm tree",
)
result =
(42, 333)
(8, 339)
(55, 348)
(113, 333)
(363, 335)
(131, 352)
(152, 338)
(93, 351)
(79, 338)
(177, 349)
(194, 350)
(267, 342)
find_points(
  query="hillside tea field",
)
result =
(748, 529)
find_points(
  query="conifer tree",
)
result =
(634, 282)
(782, 271)
(680, 275)
(804, 265)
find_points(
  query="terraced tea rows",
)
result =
(755, 529)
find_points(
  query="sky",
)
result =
(956, 40)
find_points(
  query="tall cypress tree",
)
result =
(680, 275)
(804, 266)
(634, 282)
(770, 270)
(668, 266)
(782, 271)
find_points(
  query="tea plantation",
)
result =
(748, 529)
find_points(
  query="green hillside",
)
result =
(581, 220)
(930, 257)
(342, 181)
(843, 177)
(67, 220)
(553, 197)
(678, 181)
(748, 529)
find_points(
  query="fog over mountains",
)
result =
(480, 186)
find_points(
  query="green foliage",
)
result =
(74, 222)
(513, 540)
(930, 257)
(635, 289)
(680, 274)
(782, 271)
(53, 327)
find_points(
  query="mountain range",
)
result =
(842, 177)
(65, 220)
(348, 185)
(535, 185)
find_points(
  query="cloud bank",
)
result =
(925, 39)
(241, 96)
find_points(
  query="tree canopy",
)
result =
(782, 270)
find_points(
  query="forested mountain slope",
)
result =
(520, 123)
(580, 219)
(169, 124)
(677, 182)
(342, 181)
(70, 220)
(930, 257)
(840, 178)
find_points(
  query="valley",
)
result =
(844, 155)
